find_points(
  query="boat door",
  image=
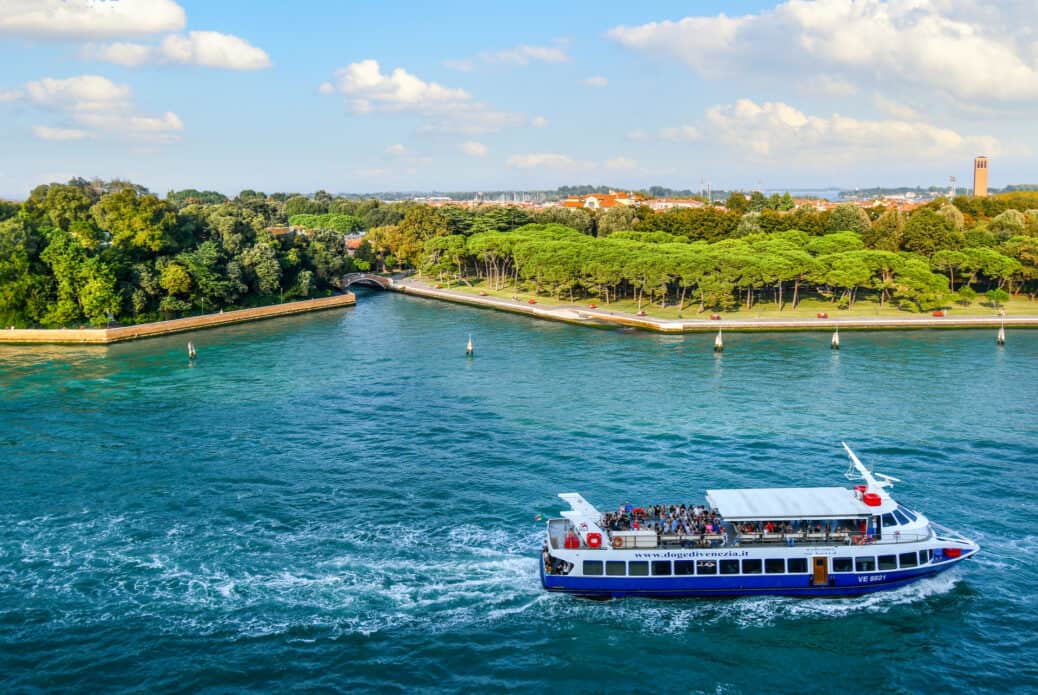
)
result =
(821, 571)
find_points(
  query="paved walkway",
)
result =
(577, 314)
(105, 336)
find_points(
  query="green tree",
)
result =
(848, 217)
(954, 217)
(134, 222)
(175, 279)
(886, 232)
(926, 232)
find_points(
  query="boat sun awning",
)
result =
(774, 504)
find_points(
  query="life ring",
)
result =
(594, 540)
(618, 542)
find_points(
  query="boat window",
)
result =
(908, 559)
(774, 565)
(751, 566)
(922, 557)
(901, 518)
(729, 566)
(865, 564)
(908, 512)
(592, 568)
(616, 569)
(843, 564)
(888, 520)
(683, 567)
(661, 567)
(706, 567)
(797, 564)
(638, 569)
(888, 562)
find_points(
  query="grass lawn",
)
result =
(808, 308)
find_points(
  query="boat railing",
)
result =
(826, 538)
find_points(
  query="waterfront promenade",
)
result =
(605, 318)
(105, 336)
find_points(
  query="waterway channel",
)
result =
(344, 501)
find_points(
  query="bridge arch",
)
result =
(367, 280)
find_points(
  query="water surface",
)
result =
(342, 500)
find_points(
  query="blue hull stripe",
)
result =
(843, 584)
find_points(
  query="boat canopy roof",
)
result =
(787, 503)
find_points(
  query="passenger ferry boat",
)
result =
(821, 541)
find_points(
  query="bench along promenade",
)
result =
(105, 336)
(603, 318)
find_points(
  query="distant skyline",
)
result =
(465, 96)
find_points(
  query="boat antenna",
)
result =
(858, 471)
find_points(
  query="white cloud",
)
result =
(168, 121)
(524, 54)
(82, 93)
(89, 19)
(396, 149)
(7, 95)
(895, 109)
(60, 134)
(98, 106)
(546, 160)
(448, 110)
(637, 135)
(775, 129)
(207, 48)
(474, 149)
(620, 163)
(539, 122)
(596, 81)
(685, 133)
(964, 50)
(827, 86)
(370, 89)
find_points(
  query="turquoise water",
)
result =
(343, 501)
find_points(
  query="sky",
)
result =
(449, 96)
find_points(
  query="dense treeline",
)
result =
(93, 251)
(89, 252)
(723, 258)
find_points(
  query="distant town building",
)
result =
(980, 176)
(661, 204)
(600, 201)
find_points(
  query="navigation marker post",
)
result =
(835, 345)
(718, 342)
(191, 352)
(469, 352)
(1001, 339)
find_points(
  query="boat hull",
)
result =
(796, 585)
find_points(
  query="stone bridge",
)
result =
(366, 279)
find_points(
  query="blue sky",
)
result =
(471, 96)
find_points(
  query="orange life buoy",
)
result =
(618, 542)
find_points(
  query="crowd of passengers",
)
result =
(685, 520)
(697, 520)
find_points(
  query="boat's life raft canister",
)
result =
(871, 499)
(594, 540)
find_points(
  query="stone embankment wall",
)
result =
(104, 336)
